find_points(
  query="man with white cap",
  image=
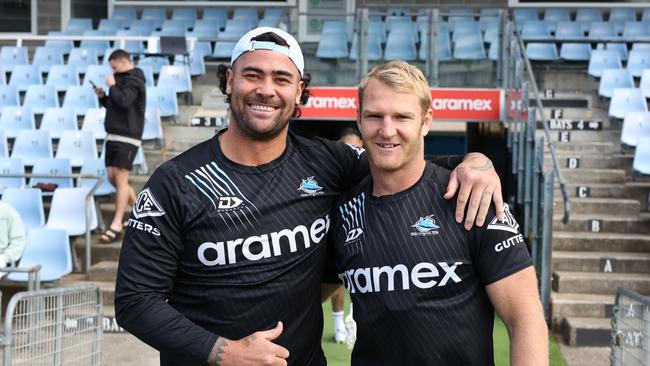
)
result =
(228, 238)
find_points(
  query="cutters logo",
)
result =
(425, 226)
(508, 224)
(310, 186)
(146, 205)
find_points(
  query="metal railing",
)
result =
(630, 342)
(89, 195)
(57, 326)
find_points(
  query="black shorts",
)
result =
(120, 154)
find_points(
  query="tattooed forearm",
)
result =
(217, 351)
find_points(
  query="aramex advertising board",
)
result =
(448, 104)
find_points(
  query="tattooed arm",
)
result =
(255, 349)
(479, 184)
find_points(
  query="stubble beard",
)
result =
(248, 128)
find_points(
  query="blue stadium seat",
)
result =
(31, 145)
(204, 47)
(9, 96)
(603, 59)
(125, 13)
(68, 211)
(523, 14)
(541, 51)
(585, 16)
(156, 15)
(645, 15)
(206, 28)
(62, 76)
(602, 30)
(400, 46)
(614, 78)
(77, 146)
(489, 13)
(488, 24)
(176, 27)
(99, 45)
(110, 25)
(635, 124)
(48, 248)
(143, 27)
(636, 31)
(493, 51)
(568, 30)
(641, 46)
(458, 14)
(374, 51)
(64, 45)
(164, 99)
(80, 58)
(57, 120)
(41, 97)
(238, 26)
(625, 100)
(638, 60)
(443, 47)
(274, 13)
(553, 16)
(469, 48)
(152, 125)
(129, 46)
(245, 13)
(78, 26)
(80, 98)
(335, 27)
(620, 48)
(25, 75)
(332, 46)
(644, 85)
(641, 162)
(51, 166)
(157, 63)
(407, 27)
(196, 63)
(98, 75)
(575, 51)
(176, 77)
(465, 28)
(619, 16)
(11, 56)
(29, 204)
(184, 14)
(535, 29)
(4, 146)
(148, 74)
(94, 122)
(45, 57)
(14, 119)
(96, 167)
(217, 15)
(11, 166)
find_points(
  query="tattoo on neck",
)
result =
(485, 167)
(217, 351)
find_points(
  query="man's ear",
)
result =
(426, 123)
(229, 75)
(301, 87)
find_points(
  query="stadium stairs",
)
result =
(606, 244)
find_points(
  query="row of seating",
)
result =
(636, 132)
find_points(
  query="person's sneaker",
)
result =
(340, 335)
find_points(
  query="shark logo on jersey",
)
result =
(146, 205)
(310, 187)
(425, 226)
(353, 215)
(508, 224)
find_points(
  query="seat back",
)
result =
(164, 99)
(641, 162)
(80, 98)
(77, 146)
(635, 125)
(603, 59)
(80, 58)
(41, 97)
(68, 211)
(31, 145)
(98, 75)
(51, 166)
(11, 166)
(49, 248)
(9, 96)
(14, 119)
(57, 120)
(62, 76)
(96, 167)
(46, 56)
(29, 204)
(614, 78)
(23, 76)
(626, 100)
(176, 77)
(94, 122)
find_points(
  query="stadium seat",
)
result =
(29, 204)
(156, 15)
(246, 13)
(11, 56)
(635, 31)
(11, 166)
(143, 27)
(62, 76)
(490, 27)
(535, 29)
(218, 16)
(635, 124)
(31, 145)
(614, 78)
(196, 63)
(176, 77)
(204, 47)
(641, 162)
(128, 46)
(80, 98)
(4, 146)
(98, 75)
(638, 60)
(110, 26)
(77, 146)
(619, 16)
(645, 15)
(176, 27)
(488, 13)
(51, 166)
(553, 16)
(98, 45)
(68, 211)
(41, 97)
(239, 26)
(9, 96)
(57, 120)
(147, 70)
(125, 13)
(206, 28)
(14, 119)
(152, 125)
(94, 122)
(602, 30)
(469, 48)
(603, 59)
(48, 248)
(400, 46)
(164, 99)
(443, 48)
(625, 100)
(585, 16)
(523, 14)
(63, 45)
(644, 85)
(79, 25)
(333, 46)
(456, 14)
(541, 51)
(575, 51)
(493, 51)
(80, 58)
(23, 76)
(465, 28)
(96, 167)
(157, 63)
(568, 30)
(621, 48)
(374, 52)
(45, 57)
(184, 14)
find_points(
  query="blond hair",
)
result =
(402, 77)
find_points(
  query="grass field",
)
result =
(339, 355)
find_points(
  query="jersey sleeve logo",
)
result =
(310, 187)
(425, 226)
(508, 224)
(146, 205)
(353, 217)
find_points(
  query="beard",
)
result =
(251, 130)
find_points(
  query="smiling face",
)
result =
(264, 87)
(393, 126)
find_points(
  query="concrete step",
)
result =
(617, 262)
(587, 332)
(587, 114)
(610, 206)
(107, 287)
(606, 223)
(599, 282)
(99, 252)
(104, 271)
(631, 190)
(617, 161)
(179, 138)
(600, 242)
(587, 175)
(577, 136)
(602, 148)
(585, 305)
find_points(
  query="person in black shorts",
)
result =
(424, 289)
(224, 253)
(124, 123)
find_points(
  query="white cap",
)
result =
(245, 44)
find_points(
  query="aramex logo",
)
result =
(332, 102)
(462, 104)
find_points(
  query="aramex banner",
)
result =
(448, 104)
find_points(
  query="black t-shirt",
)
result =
(417, 278)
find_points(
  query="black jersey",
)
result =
(417, 278)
